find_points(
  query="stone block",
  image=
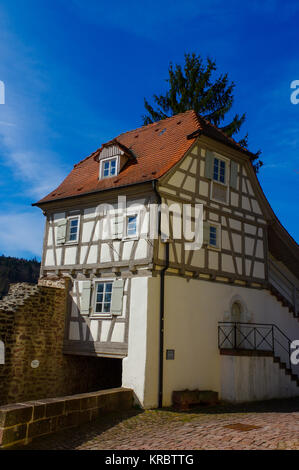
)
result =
(13, 434)
(39, 409)
(72, 404)
(38, 428)
(95, 413)
(84, 416)
(68, 420)
(184, 398)
(88, 402)
(18, 413)
(54, 406)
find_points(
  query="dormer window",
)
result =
(109, 167)
(112, 158)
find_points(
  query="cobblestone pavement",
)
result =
(272, 425)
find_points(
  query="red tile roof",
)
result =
(156, 152)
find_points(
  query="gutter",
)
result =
(162, 306)
(95, 191)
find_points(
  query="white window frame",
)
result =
(226, 182)
(226, 162)
(134, 236)
(94, 313)
(67, 240)
(218, 236)
(103, 161)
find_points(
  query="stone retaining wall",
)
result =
(32, 322)
(22, 422)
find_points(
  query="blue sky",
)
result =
(76, 74)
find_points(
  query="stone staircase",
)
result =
(288, 370)
(285, 303)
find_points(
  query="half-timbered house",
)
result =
(222, 317)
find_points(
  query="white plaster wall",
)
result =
(134, 364)
(254, 378)
(140, 367)
(49, 260)
(70, 254)
(151, 395)
(118, 333)
(192, 312)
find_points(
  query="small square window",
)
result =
(131, 225)
(103, 297)
(108, 167)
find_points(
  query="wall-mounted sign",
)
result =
(35, 363)
(2, 353)
(170, 354)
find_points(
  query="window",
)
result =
(108, 167)
(219, 171)
(131, 225)
(213, 236)
(103, 297)
(73, 229)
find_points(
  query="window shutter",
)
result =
(61, 231)
(117, 227)
(233, 175)
(209, 164)
(117, 297)
(206, 233)
(85, 298)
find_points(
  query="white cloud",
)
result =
(37, 169)
(25, 133)
(21, 232)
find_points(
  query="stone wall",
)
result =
(32, 322)
(22, 422)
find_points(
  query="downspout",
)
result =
(162, 304)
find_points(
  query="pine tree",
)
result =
(194, 87)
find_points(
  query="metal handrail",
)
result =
(241, 337)
(257, 324)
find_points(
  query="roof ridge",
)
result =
(146, 126)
